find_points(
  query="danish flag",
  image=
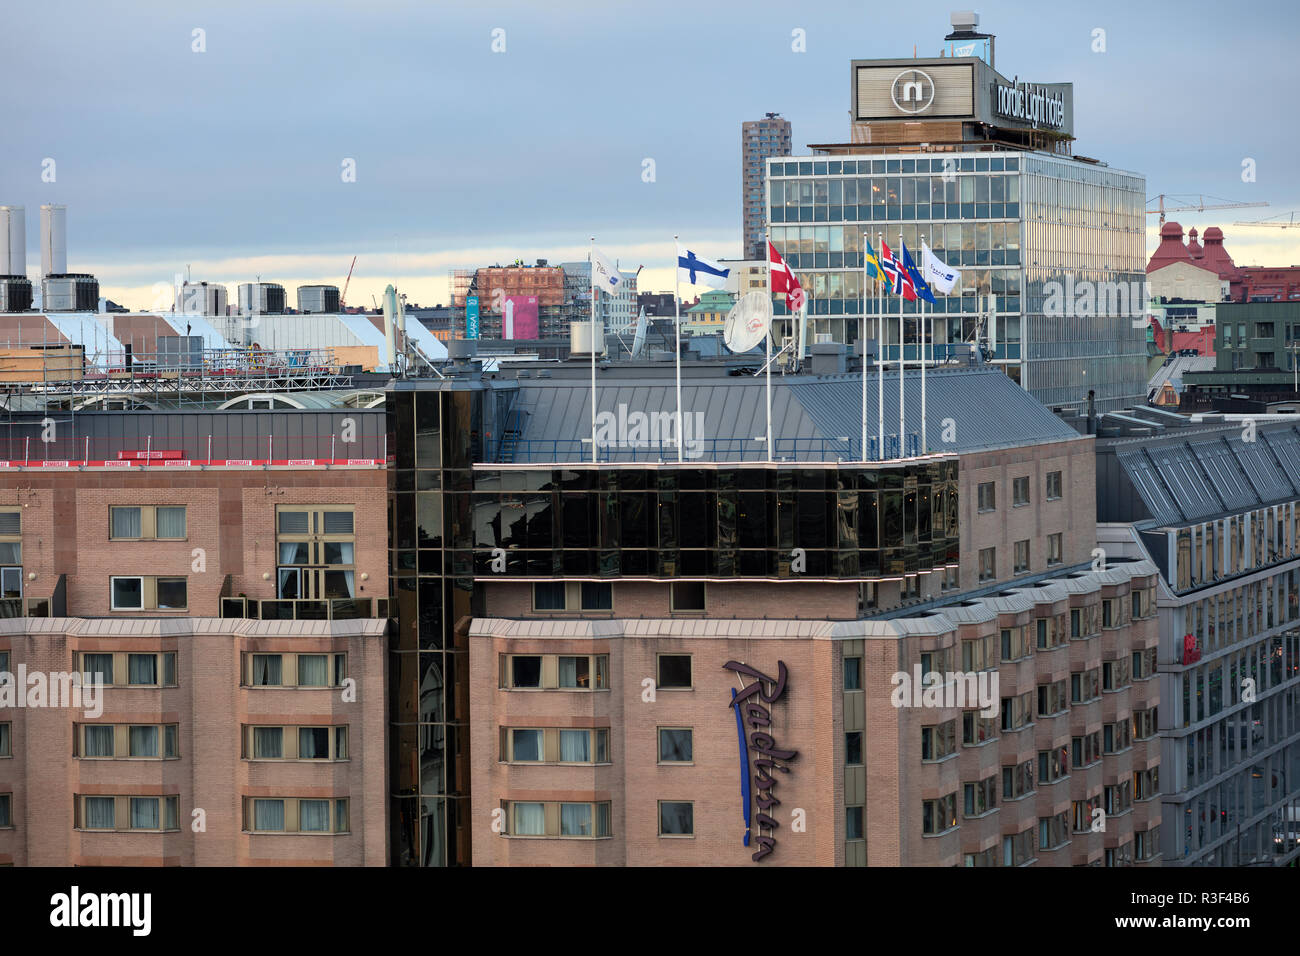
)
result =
(783, 279)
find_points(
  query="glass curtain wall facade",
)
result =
(1010, 221)
(434, 436)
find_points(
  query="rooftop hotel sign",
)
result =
(760, 758)
(1036, 105)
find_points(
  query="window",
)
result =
(579, 672)
(1085, 686)
(1055, 549)
(988, 564)
(315, 553)
(573, 821)
(977, 729)
(676, 818)
(936, 662)
(979, 654)
(1083, 812)
(675, 745)
(1054, 831)
(1053, 765)
(979, 798)
(939, 815)
(853, 673)
(939, 741)
(147, 523)
(1052, 699)
(1086, 749)
(674, 671)
(1017, 781)
(853, 823)
(853, 748)
(6, 810)
(1019, 491)
(1018, 712)
(987, 857)
(573, 596)
(1015, 643)
(1022, 557)
(555, 745)
(11, 555)
(1118, 799)
(294, 670)
(988, 499)
(268, 743)
(148, 594)
(295, 815)
(688, 596)
(6, 739)
(1050, 632)
(1053, 485)
(1115, 674)
(140, 670)
(1146, 784)
(1116, 737)
(1144, 724)
(127, 813)
(1146, 843)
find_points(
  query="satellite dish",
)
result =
(638, 340)
(748, 322)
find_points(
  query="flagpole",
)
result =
(863, 337)
(593, 349)
(677, 330)
(767, 233)
(880, 347)
(902, 356)
(921, 300)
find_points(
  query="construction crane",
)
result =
(1194, 204)
(343, 299)
(1288, 223)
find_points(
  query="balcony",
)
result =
(303, 609)
(52, 605)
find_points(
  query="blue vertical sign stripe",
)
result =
(745, 800)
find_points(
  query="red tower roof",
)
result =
(1216, 257)
(1171, 248)
(1193, 247)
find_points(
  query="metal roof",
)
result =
(815, 418)
(1181, 480)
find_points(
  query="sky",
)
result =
(230, 159)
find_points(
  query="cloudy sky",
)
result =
(230, 160)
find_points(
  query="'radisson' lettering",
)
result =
(748, 706)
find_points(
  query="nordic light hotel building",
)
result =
(939, 151)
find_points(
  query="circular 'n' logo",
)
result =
(912, 91)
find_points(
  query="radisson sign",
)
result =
(760, 745)
(1029, 104)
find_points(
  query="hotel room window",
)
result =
(315, 553)
(11, 554)
(147, 523)
(676, 818)
(675, 745)
(674, 672)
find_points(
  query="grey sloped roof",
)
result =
(1184, 480)
(823, 414)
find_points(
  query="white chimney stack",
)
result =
(54, 240)
(13, 241)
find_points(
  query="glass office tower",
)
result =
(1012, 221)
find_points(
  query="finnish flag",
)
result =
(696, 271)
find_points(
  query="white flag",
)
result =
(605, 275)
(942, 278)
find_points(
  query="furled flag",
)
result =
(605, 275)
(900, 281)
(875, 270)
(942, 277)
(699, 271)
(783, 279)
(918, 283)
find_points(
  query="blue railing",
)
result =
(576, 450)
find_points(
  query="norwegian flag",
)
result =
(783, 280)
(900, 281)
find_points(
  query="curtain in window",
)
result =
(676, 818)
(313, 743)
(171, 805)
(169, 748)
(100, 813)
(340, 584)
(126, 522)
(568, 672)
(169, 669)
(144, 741)
(144, 813)
(340, 743)
(575, 819)
(11, 552)
(143, 668)
(268, 814)
(314, 816)
(530, 819)
(289, 553)
(338, 552)
(268, 743)
(288, 584)
(98, 667)
(171, 522)
(266, 670)
(313, 670)
(340, 816)
(99, 741)
(575, 746)
(4, 740)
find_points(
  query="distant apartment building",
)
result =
(225, 622)
(532, 294)
(759, 139)
(1255, 346)
(709, 314)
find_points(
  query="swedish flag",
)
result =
(874, 269)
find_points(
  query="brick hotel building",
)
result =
(223, 606)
